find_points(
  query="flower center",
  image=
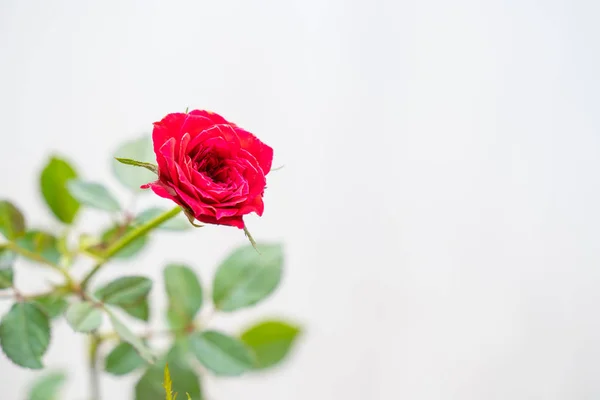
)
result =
(213, 167)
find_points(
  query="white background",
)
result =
(440, 197)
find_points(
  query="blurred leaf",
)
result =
(6, 278)
(128, 293)
(93, 194)
(41, 243)
(179, 223)
(139, 310)
(150, 386)
(221, 354)
(129, 251)
(12, 222)
(270, 341)
(247, 277)
(127, 336)
(139, 149)
(184, 293)
(53, 181)
(7, 259)
(25, 335)
(84, 316)
(47, 387)
(53, 304)
(123, 359)
(62, 245)
(125, 291)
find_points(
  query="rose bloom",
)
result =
(212, 168)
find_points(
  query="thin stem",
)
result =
(94, 373)
(127, 239)
(140, 231)
(38, 258)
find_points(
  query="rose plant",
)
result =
(215, 173)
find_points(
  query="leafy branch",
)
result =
(242, 280)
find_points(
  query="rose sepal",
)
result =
(128, 161)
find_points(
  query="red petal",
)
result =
(169, 127)
(166, 162)
(260, 151)
(195, 124)
(236, 221)
(196, 206)
(162, 190)
(257, 205)
(214, 117)
(225, 212)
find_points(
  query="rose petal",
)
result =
(184, 183)
(167, 128)
(211, 136)
(182, 150)
(225, 212)
(194, 124)
(214, 117)
(166, 162)
(262, 152)
(236, 221)
(162, 190)
(256, 205)
(197, 207)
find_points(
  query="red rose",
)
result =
(210, 167)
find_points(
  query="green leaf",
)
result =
(150, 386)
(129, 251)
(6, 278)
(184, 293)
(93, 195)
(53, 304)
(247, 277)
(84, 316)
(7, 259)
(130, 294)
(123, 359)
(221, 354)
(139, 149)
(12, 222)
(270, 341)
(179, 223)
(127, 336)
(47, 387)
(53, 181)
(25, 335)
(41, 243)
(139, 310)
(125, 291)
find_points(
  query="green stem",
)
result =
(38, 258)
(93, 366)
(127, 239)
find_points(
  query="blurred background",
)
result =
(439, 200)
